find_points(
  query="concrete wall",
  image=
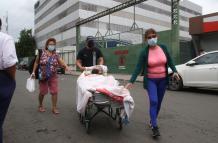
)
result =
(209, 42)
(187, 51)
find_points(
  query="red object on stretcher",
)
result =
(111, 95)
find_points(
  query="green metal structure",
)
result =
(110, 11)
(123, 59)
(102, 14)
(175, 47)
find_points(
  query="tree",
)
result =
(26, 44)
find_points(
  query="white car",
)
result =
(201, 71)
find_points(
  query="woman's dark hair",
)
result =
(95, 71)
(201, 50)
(149, 31)
(48, 41)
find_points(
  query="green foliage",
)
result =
(26, 44)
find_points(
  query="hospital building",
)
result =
(57, 19)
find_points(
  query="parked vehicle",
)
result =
(23, 65)
(201, 71)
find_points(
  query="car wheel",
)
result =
(175, 84)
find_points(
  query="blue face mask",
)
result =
(51, 48)
(152, 41)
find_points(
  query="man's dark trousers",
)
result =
(7, 87)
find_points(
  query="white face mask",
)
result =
(51, 47)
(152, 41)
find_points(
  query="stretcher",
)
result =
(101, 103)
(102, 94)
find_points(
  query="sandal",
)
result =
(55, 111)
(41, 109)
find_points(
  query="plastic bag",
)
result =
(30, 84)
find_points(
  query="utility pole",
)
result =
(175, 42)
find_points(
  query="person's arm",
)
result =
(138, 69)
(79, 61)
(139, 65)
(169, 60)
(171, 64)
(79, 65)
(100, 57)
(35, 66)
(62, 63)
(101, 61)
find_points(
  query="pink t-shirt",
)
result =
(156, 63)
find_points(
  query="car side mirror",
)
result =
(191, 63)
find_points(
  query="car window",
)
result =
(211, 58)
(214, 59)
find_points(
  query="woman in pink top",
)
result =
(48, 80)
(154, 61)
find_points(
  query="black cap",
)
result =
(90, 38)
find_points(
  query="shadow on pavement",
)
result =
(200, 91)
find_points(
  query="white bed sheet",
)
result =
(95, 81)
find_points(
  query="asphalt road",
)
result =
(188, 116)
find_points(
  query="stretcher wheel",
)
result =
(110, 110)
(120, 123)
(87, 124)
(81, 118)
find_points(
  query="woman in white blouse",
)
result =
(8, 60)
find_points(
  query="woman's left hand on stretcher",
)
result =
(129, 85)
(67, 68)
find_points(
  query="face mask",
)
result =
(152, 41)
(91, 44)
(51, 48)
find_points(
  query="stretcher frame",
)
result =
(103, 104)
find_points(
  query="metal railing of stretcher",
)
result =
(101, 103)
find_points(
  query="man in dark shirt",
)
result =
(89, 55)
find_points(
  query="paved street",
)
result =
(189, 116)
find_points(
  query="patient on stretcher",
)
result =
(98, 69)
(95, 79)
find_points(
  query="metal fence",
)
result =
(69, 58)
(132, 37)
